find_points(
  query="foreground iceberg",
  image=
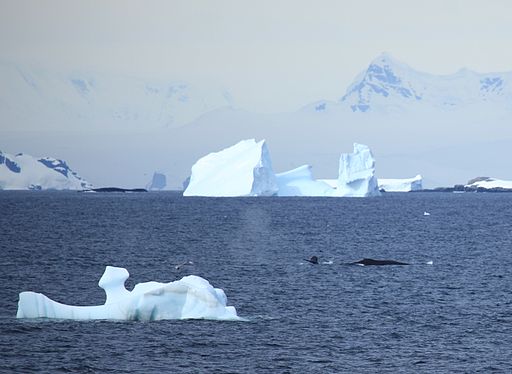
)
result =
(192, 297)
(244, 169)
(401, 185)
(357, 174)
(300, 182)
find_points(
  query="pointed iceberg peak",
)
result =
(357, 173)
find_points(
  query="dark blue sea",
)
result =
(452, 316)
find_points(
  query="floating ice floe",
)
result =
(192, 297)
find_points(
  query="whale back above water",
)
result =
(373, 262)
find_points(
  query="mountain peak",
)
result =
(388, 84)
(385, 58)
(384, 77)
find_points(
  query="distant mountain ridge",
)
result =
(35, 96)
(24, 172)
(388, 82)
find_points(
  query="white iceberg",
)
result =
(357, 174)
(192, 297)
(300, 182)
(244, 169)
(401, 185)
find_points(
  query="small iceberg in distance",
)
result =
(191, 297)
(426, 213)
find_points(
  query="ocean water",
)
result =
(452, 316)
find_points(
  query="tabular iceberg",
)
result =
(192, 297)
(300, 182)
(357, 173)
(244, 169)
(401, 185)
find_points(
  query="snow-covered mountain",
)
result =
(35, 97)
(390, 84)
(448, 128)
(24, 172)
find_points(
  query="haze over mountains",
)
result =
(118, 130)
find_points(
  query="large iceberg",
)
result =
(244, 169)
(300, 182)
(357, 173)
(401, 185)
(24, 172)
(192, 297)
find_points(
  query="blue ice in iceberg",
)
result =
(191, 297)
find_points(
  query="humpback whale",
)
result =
(371, 261)
(313, 260)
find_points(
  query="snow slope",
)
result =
(24, 172)
(489, 183)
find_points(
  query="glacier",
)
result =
(244, 169)
(191, 297)
(24, 172)
(401, 185)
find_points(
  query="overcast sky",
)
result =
(271, 55)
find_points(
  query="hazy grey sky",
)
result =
(271, 55)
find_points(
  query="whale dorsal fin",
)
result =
(112, 281)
